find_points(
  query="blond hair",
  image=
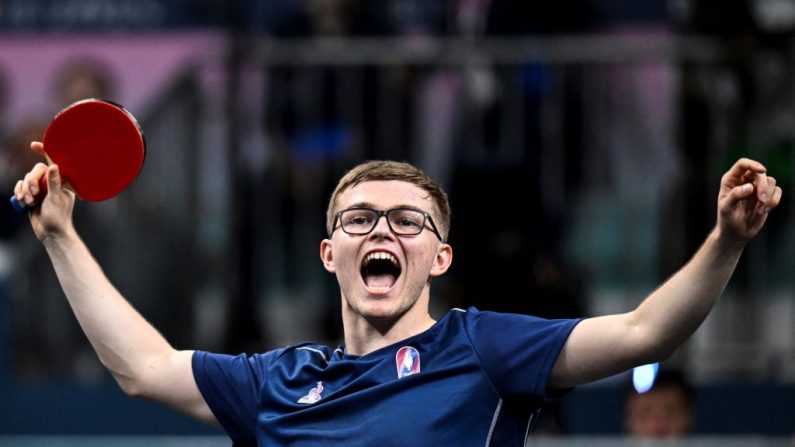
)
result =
(383, 170)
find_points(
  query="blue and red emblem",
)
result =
(408, 361)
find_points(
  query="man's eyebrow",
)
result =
(362, 205)
(372, 206)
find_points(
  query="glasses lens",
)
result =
(358, 221)
(405, 221)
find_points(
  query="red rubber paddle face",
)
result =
(98, 146)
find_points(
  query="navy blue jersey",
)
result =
(473, 379)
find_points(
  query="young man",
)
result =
(471, 378)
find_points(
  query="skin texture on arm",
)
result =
(143, 363)
(602, 346)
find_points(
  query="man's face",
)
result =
(382, 275)
(659, 413)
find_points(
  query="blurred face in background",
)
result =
(662, 412)
(83, 79)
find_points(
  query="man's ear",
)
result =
(444, 257)
(327, 256)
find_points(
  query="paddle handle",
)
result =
(21, 208)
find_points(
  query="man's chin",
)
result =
(380, 313)
(379, 310)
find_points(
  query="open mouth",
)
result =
(380, 270)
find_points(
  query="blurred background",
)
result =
(596, 130)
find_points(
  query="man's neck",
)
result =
(364, 336)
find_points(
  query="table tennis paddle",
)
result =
(98, 146)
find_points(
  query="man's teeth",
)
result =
(383, 256)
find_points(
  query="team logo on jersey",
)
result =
(313, 395)
(408, 361)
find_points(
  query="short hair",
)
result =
(384, 170)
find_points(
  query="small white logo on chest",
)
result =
(313, 395)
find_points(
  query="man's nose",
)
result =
(382, 228)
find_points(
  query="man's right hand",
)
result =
(53, 216)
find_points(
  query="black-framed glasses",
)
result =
(402, 221)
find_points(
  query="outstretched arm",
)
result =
(603, 346)
(143, 363)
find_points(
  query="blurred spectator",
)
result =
(84, 78)
(664, 411)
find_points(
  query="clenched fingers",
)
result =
(27, 188)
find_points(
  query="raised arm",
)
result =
(603, 346)
(143, 363)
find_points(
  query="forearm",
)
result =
(667, 317)
(124, 341)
